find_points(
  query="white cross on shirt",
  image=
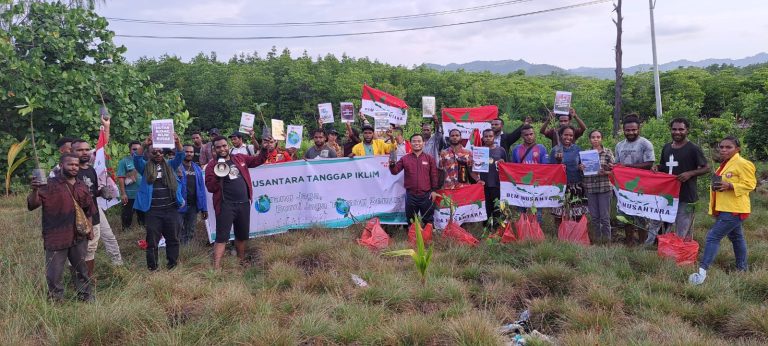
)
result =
(671, 164)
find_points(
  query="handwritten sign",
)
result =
(162, 134)
(326, 113)
(278, 130)
(293, 139)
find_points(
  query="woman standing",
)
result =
(729, 204)
(567, 153)
(598, 190)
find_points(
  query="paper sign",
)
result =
(428, 106)
(162, 134)
(481, 159)
(278, 130)
(293, 139)
(246, 122)
(562, 102)
(347, 112)
(326, 113)
(591, 161)
(381, 121)
(398, 118)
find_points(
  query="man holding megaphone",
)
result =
(227, 178)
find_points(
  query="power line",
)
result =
(319, 23)
(223, 38)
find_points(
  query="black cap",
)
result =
(368, 127)
(214, 131)
(333, 132)
(236, 134)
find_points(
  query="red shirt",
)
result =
(420, 173)
(59, 212)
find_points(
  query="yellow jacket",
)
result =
(379, 148)
(741, 173)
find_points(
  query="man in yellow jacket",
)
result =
(370, 146)
(729, 203)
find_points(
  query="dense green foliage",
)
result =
(59, 60)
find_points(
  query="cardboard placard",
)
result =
(162, 134)
(326, 113)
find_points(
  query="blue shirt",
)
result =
(571, 160)
(144, 195)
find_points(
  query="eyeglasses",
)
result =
(157, 152)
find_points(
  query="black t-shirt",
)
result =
(91, 180)
(162, 197)
(235, 190)
(687, 158)
(196, 156)
(191, 185)
(348, 145)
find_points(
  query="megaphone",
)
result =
(221, 169)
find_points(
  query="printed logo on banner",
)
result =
(342, 206)
(263, 204)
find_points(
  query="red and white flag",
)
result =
(468, 119)
(375, 100)
(103, 174)
(475, 140)
(469, 201)
(532, 185)
(643, 193)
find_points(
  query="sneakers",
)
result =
(698, 278)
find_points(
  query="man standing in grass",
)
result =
(232, 196)
(636, 152)
(128, 180)
(59, 198)
(456, 162)
(420, 180)
(529, 152)
(492, 185)
(193, 189)
(685, 160)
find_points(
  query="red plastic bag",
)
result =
(374, 237)
(573, 231)
(528, 228)
(506, 233)
(683, 251)
(455, 232)
(426, 234)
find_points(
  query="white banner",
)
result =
(304, 194)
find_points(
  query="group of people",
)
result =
(165, 188)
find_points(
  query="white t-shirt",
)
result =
(243, 150)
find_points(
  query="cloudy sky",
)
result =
(583, 36)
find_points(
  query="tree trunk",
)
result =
(619, 71)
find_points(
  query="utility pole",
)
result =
(657, 85)
(619, 71)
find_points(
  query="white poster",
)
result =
(428, 106)
(162, 134)
(381, 121)
(326, 113)
(562, 102)
(246, 122)
(305, 194)
(294, 136)
(278, 130)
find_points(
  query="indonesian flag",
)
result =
(103, 173)
(643, 193)
(468, 119)
(375, 100)
(469, 201)
(532, 185)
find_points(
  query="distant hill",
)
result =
(509, 66)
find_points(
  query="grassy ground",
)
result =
(299, 292)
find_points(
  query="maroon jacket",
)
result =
(59, 212)
(420, 173)
(243, 162)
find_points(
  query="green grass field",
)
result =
(299, 291)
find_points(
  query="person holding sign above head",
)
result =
(456, 162)
(160, 196)
(567, 153)
(239, 146)
(685, 160)
(228, 179)
(320, 149)
(636, 152)
(274, 154)
(598, 189)
(491, 178)
(729, 203)
(420, 180)
(370, 146)
(563, 120)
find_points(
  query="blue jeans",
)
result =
(728, 225)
